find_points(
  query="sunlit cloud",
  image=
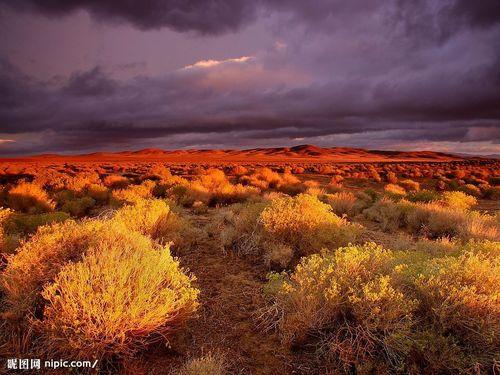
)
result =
(212, 63)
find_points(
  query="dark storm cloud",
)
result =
(91, 83)
(396, 70)
(203, 16)
(217, 16)
(430, 20)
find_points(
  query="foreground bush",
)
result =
(460, 298)
(39, 259)
(5, 213)
(351, 299)
(120, 297)
(30, 198)
(373, 310)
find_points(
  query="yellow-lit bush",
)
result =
(389, 214)
(154, 217)
(395, 190)
(458, 200)
(460, 297)
(305, 224)
(30, 198)
(433, 220)
(350, 299)
(213, 187)
(133, 193)
(120, 297)
(78, 206)
(116, 181)
(39, 259)
(283, 228)
(265, 178)
(238, 228)
(342, 203)
(5, 214)
(381, 311)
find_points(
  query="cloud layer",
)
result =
(382, 74)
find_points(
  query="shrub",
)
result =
(390, 215)
(373, 310)
(394, 190)
(133, 193)
(213, 187)
(350, 299)
(116, 181)
(458, 200)
(460, 298)
(120, 297)
(238, 228)
(5, 214)
(155, 218)
(30, 198)
(391, 178)
(425, 196)
(39, 259)
(410, 185)
(470, 190)
(25, 224)
(265, 178)
(305, 224)
(78, 206)
(343, 203)
(209, 364)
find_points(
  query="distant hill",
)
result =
(301, 153)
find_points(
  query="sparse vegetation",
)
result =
(86, 266)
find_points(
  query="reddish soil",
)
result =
(231, 294)
(304, 153)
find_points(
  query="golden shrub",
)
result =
(409, 185)
(458, 200)
(133, 193)
(120, 297)
(349, 298)
(116, 181)
(342, 203)
(238, 228)
(39, 259)
(213, 187)
(25, 224)
(30, 198)
(5, 214)
(155, 218)
(461, 297)
(394, 190)
(305, 224)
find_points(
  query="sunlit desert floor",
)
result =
(294, 261)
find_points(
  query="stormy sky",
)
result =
(87, 75)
